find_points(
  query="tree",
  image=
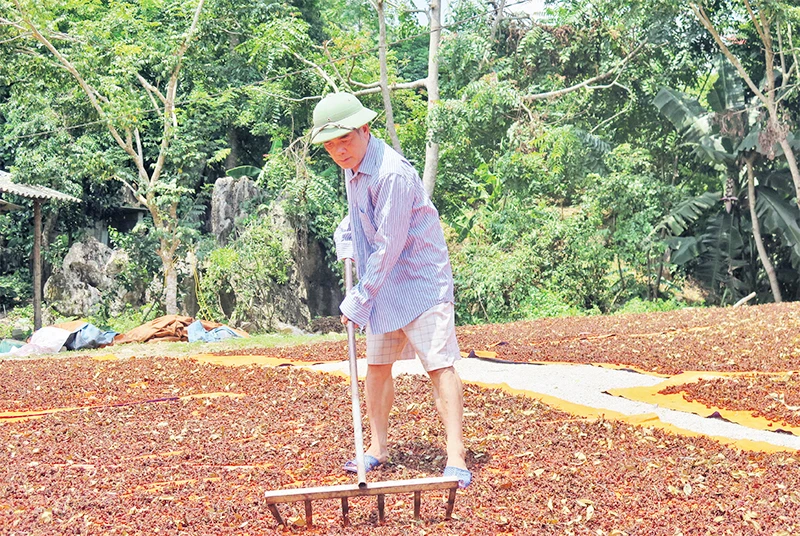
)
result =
(727, 134)
(777, 83)
(142, 77)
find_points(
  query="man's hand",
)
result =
(345, 320)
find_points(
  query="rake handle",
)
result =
(351, 350)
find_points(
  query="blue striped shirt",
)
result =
(392, 231)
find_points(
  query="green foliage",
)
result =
(15, 288)
(131, 317)
(19, 313)
(140, 244)
(622, 175)
(239, 282)
(465, 58)
(638, 305)
(313, 200)
(632, 200)
(519, 263)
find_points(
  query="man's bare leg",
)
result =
(380, 398)
(448, 396)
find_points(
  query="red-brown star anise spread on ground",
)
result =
(763, 338)
(774, 397)
(172, 446)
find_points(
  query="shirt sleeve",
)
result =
(343, 238)
(392, 220)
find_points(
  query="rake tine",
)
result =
(345, 491)
(345, 512)
(276, 514)
(451, 501)
(309, 520)
(381, 509)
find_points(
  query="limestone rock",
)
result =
(85, 277)
(228, 201)
(312, 289)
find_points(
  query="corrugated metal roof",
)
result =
(31, 191)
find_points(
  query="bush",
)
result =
(25, 314)
(638, 305)
(15, 288)
(522, 264)
(239, 282)
(131, 317)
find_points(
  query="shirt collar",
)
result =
(369, 164)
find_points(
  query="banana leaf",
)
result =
(244, 171)
(686, 213)
(693, 123)
(779, 216)
(684, 249)
(727, 92)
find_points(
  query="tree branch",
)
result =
(169, 103)
(292, 99)
(331, 82)
(332, 62)
(422, 82)
(151, 90)
(133, 190)
(700, 13)
(365, 86)
(587, 83)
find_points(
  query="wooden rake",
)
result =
(379, 489)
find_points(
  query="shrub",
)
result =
(23, 313)
(239, 282)
(638, 305)
(520, 264)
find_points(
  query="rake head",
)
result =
(379, 489)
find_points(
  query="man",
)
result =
(404, 295)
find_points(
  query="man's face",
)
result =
(348, 151)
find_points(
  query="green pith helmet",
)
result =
(337, 114)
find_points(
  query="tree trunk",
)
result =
(498, 18)
(387, 98)
(431, 147)
(788, 152)
(762, 252)
(37, 264)
(170, 288)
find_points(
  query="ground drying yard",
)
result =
(164, 445)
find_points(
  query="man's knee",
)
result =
(379, 372)
(438, 373)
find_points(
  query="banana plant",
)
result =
(728, 134)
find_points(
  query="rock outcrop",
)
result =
(228, 202)
(84, 278)
(312, 290)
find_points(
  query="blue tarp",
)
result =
(6, 345)
(88, 337)
(196, 332)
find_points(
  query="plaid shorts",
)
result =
(431, 336)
